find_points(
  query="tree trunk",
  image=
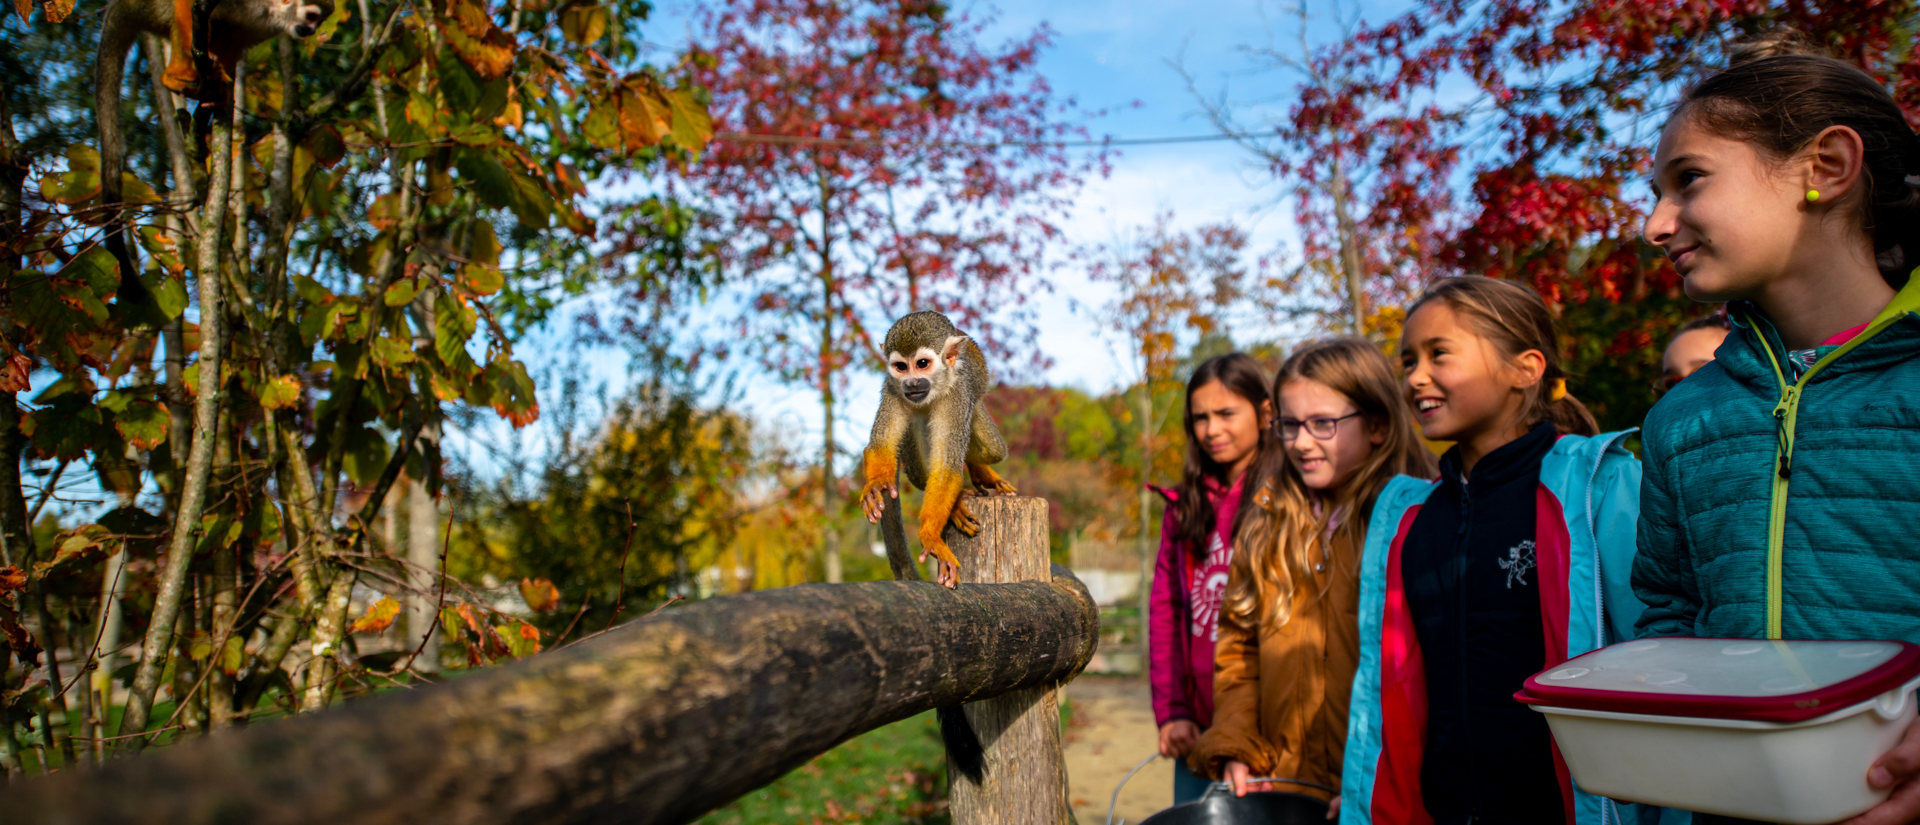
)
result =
(1350, 265)
(1143, 545)
(166, 608)
(658, 721)
(1025, 780)
(423, 561)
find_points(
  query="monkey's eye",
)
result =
(923, 363)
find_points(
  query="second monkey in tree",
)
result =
(932, 423)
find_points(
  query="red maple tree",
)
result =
(876, 158)
(1512, 138)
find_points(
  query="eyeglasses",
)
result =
(1320, 428)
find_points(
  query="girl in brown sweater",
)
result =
(1288, 628)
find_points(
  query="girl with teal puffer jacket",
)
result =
(1780, 498)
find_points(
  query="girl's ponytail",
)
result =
(1568, 415)
(1515, 319)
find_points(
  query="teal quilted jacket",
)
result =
(1779, 508)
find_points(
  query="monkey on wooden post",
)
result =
(932, 422)
(231, 27)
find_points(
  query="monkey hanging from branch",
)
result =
(225, 30)
(933, 423)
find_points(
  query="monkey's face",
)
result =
(303, 18)
(917, 373)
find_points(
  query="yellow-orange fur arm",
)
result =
(181, 75)
(943, 492)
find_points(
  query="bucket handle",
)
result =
(1227, 787)
(1891, 704)
(1115, 799)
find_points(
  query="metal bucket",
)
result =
(1221, 807)
(1218, 806)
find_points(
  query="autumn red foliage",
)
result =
(1512, 138)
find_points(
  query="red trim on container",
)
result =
(1403, 702)
(1792, 707)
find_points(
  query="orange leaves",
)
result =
(12, 578)
(280, 393)
(473, 36)
(378, 618)
(540, 594)
(637, 112)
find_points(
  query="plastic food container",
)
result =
(1779, 731)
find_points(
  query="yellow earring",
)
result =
(1813, 196)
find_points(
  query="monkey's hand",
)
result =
(949, 574)
(987, 481)
(873, 498)
(962, 518)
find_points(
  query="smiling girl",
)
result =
(1288, 635)
(1516, 560)
(1780, 492)
(1227, 421)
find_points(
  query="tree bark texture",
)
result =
(658, 721)
(193, 491)
(1025, 780)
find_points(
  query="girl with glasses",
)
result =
(1229, 426)
(1289, 634)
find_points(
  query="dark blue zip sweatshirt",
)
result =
(1474, 594)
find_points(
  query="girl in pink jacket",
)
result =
(1228, 420)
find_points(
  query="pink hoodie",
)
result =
(1183, 611)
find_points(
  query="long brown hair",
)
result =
(1778, 95)
(1282, 530)
(1193, 518)
(1515, 319)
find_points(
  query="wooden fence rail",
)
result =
(658, 721)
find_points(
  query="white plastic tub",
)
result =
(1779, 731)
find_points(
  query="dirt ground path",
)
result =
(1110, 732)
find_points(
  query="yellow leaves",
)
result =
(471, 33)
(637, 112)
(540, 594)
(584, 25)
(510, 117)
(280, 393)
(401, 292)
(79, 542)
(55, 10)
(481, 280)
(379, 616)
(79, 183)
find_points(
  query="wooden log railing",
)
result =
(658, 721)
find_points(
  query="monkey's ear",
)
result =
(950, 351)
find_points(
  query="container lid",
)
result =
(1770, 681)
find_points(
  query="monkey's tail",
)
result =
(899, 556)
(965, 754)
(116, 41)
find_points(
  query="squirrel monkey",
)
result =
(932, 423)
(233, 27)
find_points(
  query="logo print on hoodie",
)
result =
(1518, 561)
(1209, 589)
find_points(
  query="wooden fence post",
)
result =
(1025, 781)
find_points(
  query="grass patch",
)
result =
(895, 774)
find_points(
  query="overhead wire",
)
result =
(800, 140)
